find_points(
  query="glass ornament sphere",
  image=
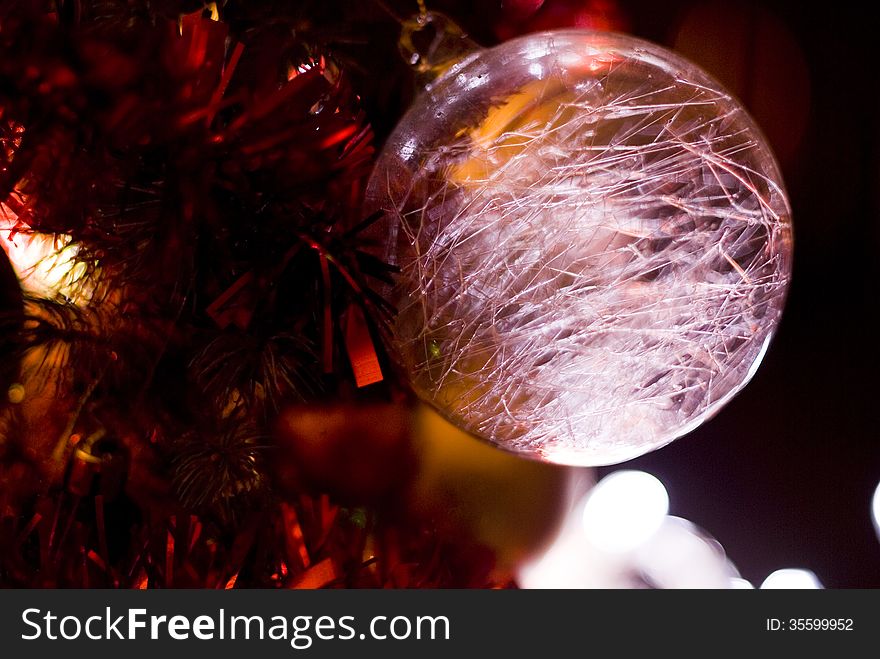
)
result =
(594, 245)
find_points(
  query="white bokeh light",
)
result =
(875, 510)
(619, 535)
(791, 578)
(624, 510)
(681, 555)
(737, 583)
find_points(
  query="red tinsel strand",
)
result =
(147, 129)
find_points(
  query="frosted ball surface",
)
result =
(594, 245)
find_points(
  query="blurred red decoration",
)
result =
(524, 16)
(359, 453)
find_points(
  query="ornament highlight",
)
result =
(594, 245)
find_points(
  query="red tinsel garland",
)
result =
(209, 176)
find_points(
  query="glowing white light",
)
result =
(741, 584)
(681, 555)
(45, 263)
(791, 578)
(624, 510)
(875, 510)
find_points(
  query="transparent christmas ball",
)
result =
(594, 245)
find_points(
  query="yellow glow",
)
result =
(45, 263)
